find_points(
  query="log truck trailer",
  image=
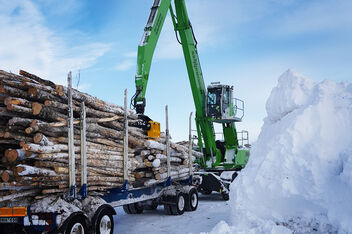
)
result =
(222, 158)
(82, 212)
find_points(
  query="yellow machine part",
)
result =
(154, 131)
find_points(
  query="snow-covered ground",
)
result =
(299, 176)
(211, 210)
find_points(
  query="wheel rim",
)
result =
(105, 225)
(194, 200)
(181, 203)
(77, 228)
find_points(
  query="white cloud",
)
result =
(125, 65)
(26, 43)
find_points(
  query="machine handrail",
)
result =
(238, 108)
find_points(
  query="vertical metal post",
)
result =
(212, 156)
(190, 145)
(83, 191)
(71, 150)
(167, 141)
(125, 141)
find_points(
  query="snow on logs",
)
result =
(34, 142)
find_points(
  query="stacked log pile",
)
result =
(34, 141)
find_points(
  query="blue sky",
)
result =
(245, 43)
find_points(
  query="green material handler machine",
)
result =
(214, 104)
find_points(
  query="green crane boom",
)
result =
(212, 105)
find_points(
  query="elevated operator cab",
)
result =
(221, 106)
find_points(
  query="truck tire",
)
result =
(191, 200)
(152, 206)
(77, 224)
(177, 206)
(126, 209)
(134, 208)
(103, 221)
(167, 209)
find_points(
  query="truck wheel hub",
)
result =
(181, 203)
(77, 228)
(105, 225)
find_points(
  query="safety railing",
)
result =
(243, 138)
(238, 108)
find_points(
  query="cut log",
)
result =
(18, 194)
(15, 155)
(42, 140)
(22, 170)
(36, 78)
(6, 175)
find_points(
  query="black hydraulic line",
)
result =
(194, 37)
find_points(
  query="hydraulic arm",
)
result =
(146, 50)
(185, 36)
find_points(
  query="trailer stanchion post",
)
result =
(167, 141)
(71, 151)
(83, 190)
(125, 141)
(190, 145)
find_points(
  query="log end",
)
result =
(7, 101)
(36, 108)
(7, 134)
(37, 138)
(9, 107)
(34, 123)
(12, 156)
(59, 89)
(32, 92)
(5, 177)
(17, 170)
(61, 139)
(47, 103)
(28, 130)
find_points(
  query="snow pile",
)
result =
(299, 176)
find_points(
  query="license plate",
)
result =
(9, 220)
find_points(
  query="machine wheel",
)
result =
(103, 221)
(205, 191)
(77, 224)
(225, 196)
(191, 200)
(134, 208)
